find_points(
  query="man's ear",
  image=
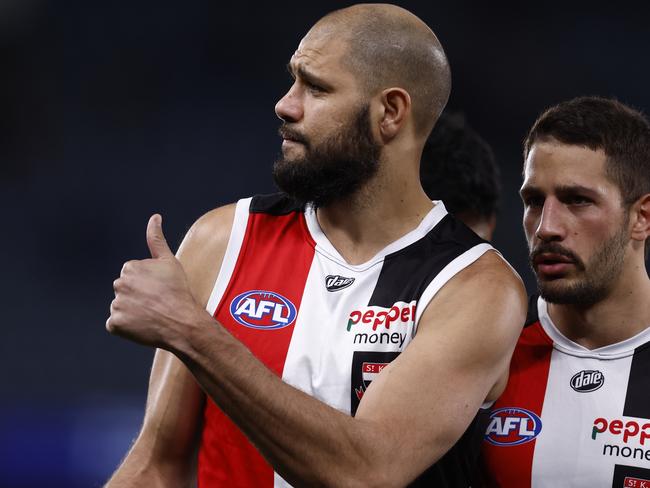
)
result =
(640, 218)
(396, 106)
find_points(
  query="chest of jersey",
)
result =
(570, 419)
(325, 327)
(312, 324)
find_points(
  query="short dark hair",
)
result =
(459, 168)
(620, 131)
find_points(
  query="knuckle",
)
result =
(129, 266)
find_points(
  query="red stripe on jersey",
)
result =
(276, 255)
(511, 466)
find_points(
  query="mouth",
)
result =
(287, 140)
(552, 264)
(291, 136)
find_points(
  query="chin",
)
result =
(571, 293)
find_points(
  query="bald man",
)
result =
(352, 332)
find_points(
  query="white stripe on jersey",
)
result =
(232, 253)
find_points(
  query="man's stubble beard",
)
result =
(599, 275)
(333, 169)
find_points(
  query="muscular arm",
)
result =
(164, 453)
(410, 415)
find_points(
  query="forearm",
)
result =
(305, 440)
(141, 468)
(166, 450)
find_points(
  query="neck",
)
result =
(624, 313)
(386, 208)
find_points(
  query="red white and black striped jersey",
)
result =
(570, 416)
(325, 326)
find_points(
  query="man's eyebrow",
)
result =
(576, 189)
(301, 72)
(528, 190)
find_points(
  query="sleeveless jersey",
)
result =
(571, 416)
(325, 326)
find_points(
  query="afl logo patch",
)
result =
(511, 426)
(264, 310)
(587, 380)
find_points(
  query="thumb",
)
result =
(156, 239)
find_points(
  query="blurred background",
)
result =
(110, 111)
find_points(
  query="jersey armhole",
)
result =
(447, 273)
(231, 255)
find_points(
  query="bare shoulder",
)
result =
(489, 284)
(491, 268)
(484, 303)
(203, 248)
(210, 231)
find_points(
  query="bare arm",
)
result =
(408, 418)
(164, 453)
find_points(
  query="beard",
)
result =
(333, 169)
(596, 278)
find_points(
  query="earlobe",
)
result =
(641, 215)
(397, 105)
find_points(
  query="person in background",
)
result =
(459, 168)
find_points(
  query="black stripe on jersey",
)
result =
(532, 315)
(274, 204)
(637, 398)
(407, 272)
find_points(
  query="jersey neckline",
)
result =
(566, 345)
(325, 247)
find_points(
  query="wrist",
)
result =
(194, 331)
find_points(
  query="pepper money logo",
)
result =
(264, 310)
(381, 325)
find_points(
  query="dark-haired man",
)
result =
(576, 411)
(351, 333)
(458, 167)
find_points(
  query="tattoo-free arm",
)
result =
(415, 410)
(164, 453)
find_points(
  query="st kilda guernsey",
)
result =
(571, 417)
(326, 327)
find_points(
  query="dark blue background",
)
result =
(110, 111)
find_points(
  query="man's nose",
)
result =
(289, 107)
(551, 225)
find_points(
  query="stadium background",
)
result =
(111, 111)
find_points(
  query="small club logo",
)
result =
(587, 380)
(263, 310)
(337, 282)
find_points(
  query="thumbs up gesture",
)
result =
(153, 303)
(156, 241)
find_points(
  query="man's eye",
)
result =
(314, 88)
(578, 200)
(533, 201)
